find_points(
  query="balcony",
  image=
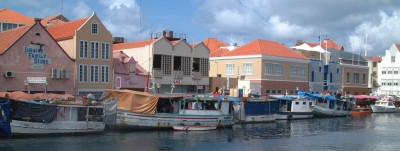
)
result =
(158, 73)
(196, 75)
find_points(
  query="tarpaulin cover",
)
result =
(134, 101)
(22, 96)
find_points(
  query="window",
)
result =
(395, 72)
(389, 72)
(204, 66)
(337, 70)
(95, 50)
(104, 74)
(312, 76)
(196, 64)
(297, 103)
(364, 78)
(157, 61)
(356, 78)
(8, 26)
(83, 73)
(83, 49)
(230, 69)
(304, 103)
(177, 63)
(393, 58)
(95, 28)
(105, 50)
(320, 69)
(274, 69)
(297, 71)
(383, 72)
(330, 77)
(94, 73)
(247, 69)
(348, 77)
(268, 91)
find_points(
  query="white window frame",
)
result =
(274, 69)
(229, 69)
(105, 72)
(94, 28)
(247, 69)
(83, 73)
(105, 51)
(94, 73)
(297, 71)
(94, 54)
(83, 49)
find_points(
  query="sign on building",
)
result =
(36, 79)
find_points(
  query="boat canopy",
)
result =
(279, 97)
(134, 101)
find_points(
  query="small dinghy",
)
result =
(197, 127)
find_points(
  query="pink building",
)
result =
(128, 74)
(31, 60)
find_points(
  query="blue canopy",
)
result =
(282, 98)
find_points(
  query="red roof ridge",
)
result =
(133, 44)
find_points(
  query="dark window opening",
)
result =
(157, 62)
(196, 64)
(177, 63)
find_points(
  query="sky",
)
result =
(358, 25)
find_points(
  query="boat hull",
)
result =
(384, 109)
(55, 127)
(294, 115)
(131, 120)
(257, 118)
(194, 128)
(327, 112)
(361, 111)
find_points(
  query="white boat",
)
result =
(294, 106)
(29, 118)
(193, 127)
(329, 106)
(252, 110)
(385, 105)
(141, 110)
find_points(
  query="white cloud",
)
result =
(117, 4)
(381, 34)
(284, 29)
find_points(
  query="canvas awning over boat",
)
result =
(134, 101)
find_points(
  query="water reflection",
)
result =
(360, 132)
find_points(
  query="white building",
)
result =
(388, 72)
(174, 65)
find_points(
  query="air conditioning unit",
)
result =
(9, 74)
(55, 73)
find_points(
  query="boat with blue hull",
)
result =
(299, 106)
(5, 118)
(253, 110)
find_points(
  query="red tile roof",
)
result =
(218, 53)
(10, 16)
(135, 44)
(331, 44)
(265, 47)
(54, 20)
(66, 30)
(214, 44)
(375, 59)
(398, 46)
(9, 37)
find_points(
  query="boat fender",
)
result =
(3, 115)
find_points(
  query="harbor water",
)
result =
(361, 132)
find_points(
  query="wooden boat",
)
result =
(252, 110)
(329, 106)
(363, 103)
(29, 118)
(141, 110)
(194, 127)
(299, 106)
(385, 105)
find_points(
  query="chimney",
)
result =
(37, 20)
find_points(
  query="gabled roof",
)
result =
(54, 20)
(330, 43)
(134, 44)
(9, 37)
(265, 47)
(214, 44)
(8, 15)
(218, 53)
(66, 30)
(398, 46)
(375, 59)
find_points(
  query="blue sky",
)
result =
(238, 21)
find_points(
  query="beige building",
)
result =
(262, 67)
(89, 43)
(174, 65)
